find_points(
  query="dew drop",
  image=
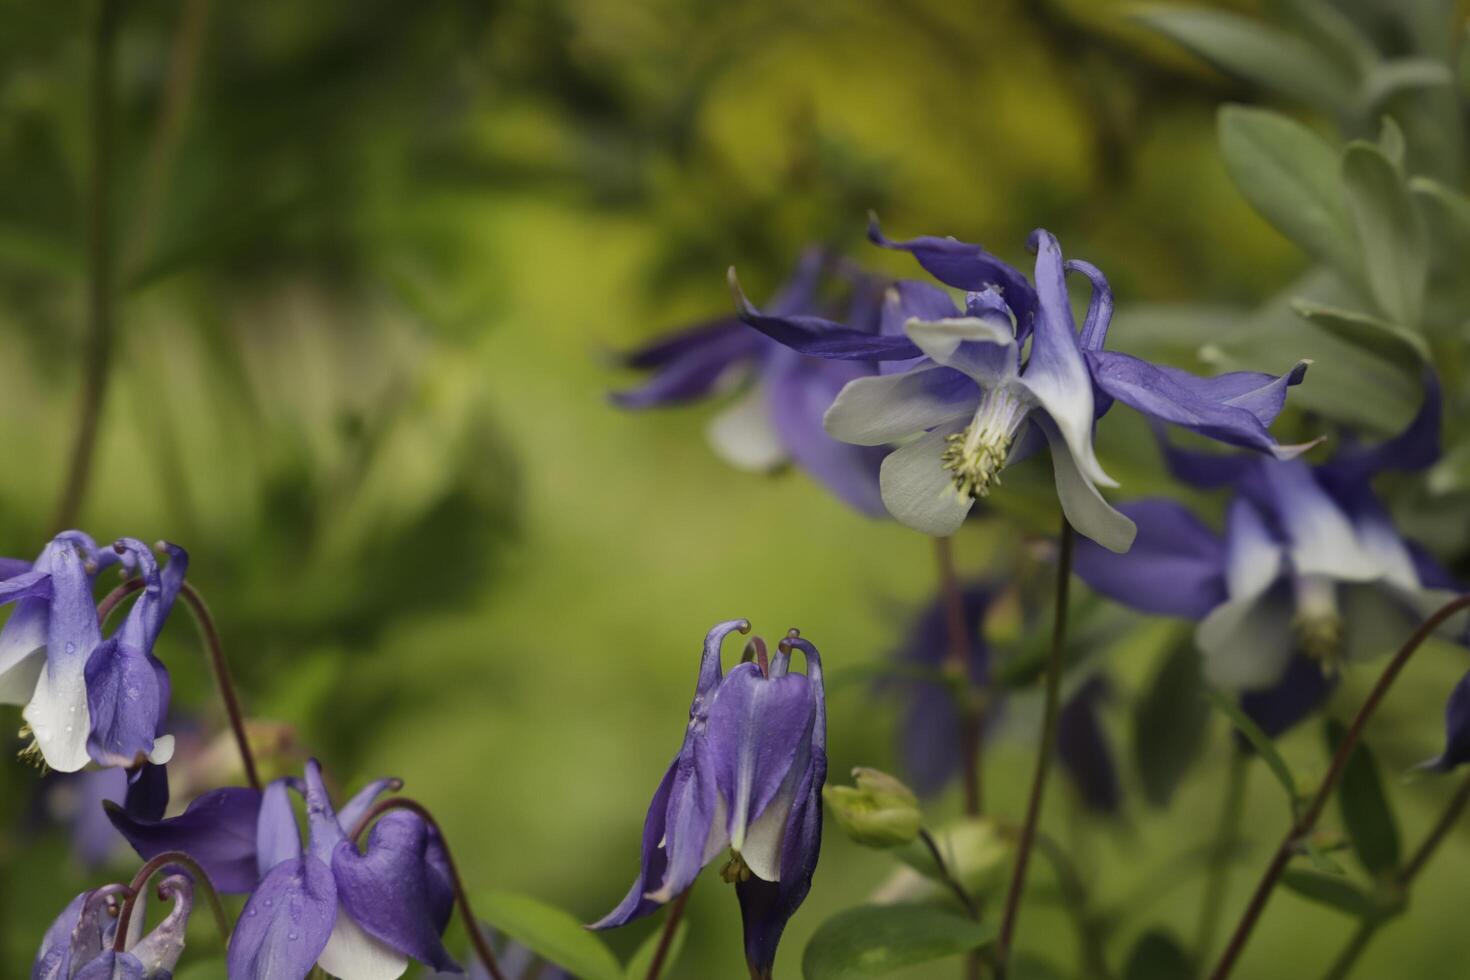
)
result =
(291, 936)
(71, 647)
(252, 913)
(68, 727)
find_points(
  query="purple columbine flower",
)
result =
(75, 685)
(929, 729)
(359, 915)
(777, 416)
(972, 406)
(79, 944)
(748, 777)
(1309, 573)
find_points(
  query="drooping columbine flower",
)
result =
(79, 944)
(748, 777)
(973, 407)
(1310, 565)
(776, 417)
(359, 915)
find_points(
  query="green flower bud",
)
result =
(879, 811)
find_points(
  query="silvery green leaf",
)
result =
(1291, 176)
(1282, 62)
(874, 940)
(1389, 78)
(1395, 246)
(1451, 206)
(1452, 473)
(1387, 340)
(1391, 142)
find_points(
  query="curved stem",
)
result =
(957, 663)
(1053, 681)
(1367, 929)
(100, 273)
(217, 663)
(139, 887)
(471, 924)
(948, 877)
(1219, 867)
(1309, 816)
(666, 937)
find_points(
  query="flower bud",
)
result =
(879, 811)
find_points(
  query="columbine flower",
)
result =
(973, 407)
(929, 730)
(79, 944)
(748, 777)
(359, 915)
(777, 417)
(1310, 566)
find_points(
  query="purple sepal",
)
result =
(147, 794)
(53, 959)
(217, 830)
(387, 890)
(1176, 566)
(1456, 729)
(277, 838)
(125, 698)
(818, 336)
(286, 924)
(689, 366)
(113, 966)
(1301, 691)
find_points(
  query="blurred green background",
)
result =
(372, 257)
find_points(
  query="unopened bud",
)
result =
(879, 811)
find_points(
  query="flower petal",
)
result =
(218, 830)
(23, 650)
(1176, 566)
(1086, 510)
(285, 926)
(744, 436)
(123, 698)
(112, 966)
(653, 864)
(57, 712)
(277, 837)
(918, 491)
(1247, 642)
(1099, 307)
(1321, 538)
(877, 410)
(985, 349)
(158, 952)
(1253, 557)
(819, 337)
(1456, 729)
(1302, 689)
(699, 363)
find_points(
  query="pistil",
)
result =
(1317, 623)
(976, 456)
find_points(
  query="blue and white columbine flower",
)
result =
(1310, 565)
(776, 415)
(79, 944)
(972, 406)
(748, 777)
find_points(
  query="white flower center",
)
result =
(976, 456)
(1317, 623)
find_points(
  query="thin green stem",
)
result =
(1218, 875)
(1310, 814)
(100, 261)
(666, 937)
(1052, 681)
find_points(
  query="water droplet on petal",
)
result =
(291, 937)
(71, 647)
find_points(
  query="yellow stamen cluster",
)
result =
(31, 754)
(974, 465)
(736, 870)
(1320, 637)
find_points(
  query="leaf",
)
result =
(1390, 341)
(1333, 891)
(550, 933)
(1391, 142)
(1390, 230)
(643, 957)
(1169, 725)
(1366, 812)
(1157, 956)
(1263, 55)
(1452, 473)
(975, 852)
(1389, 78)
(1452, 206)
(1264, 747)
(1321, 860)
(873, 940)
(1292, 177)
(1332, 31)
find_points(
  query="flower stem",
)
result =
(946, 876)
(1053, 681)
(218, 665)
(958, 665)
(1368, 928)
(139, 888)
(666, 937)
(100, 262)
(1309, 816)
(1226, 832)
(471, 924)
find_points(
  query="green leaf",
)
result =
(550, 933)
(873, 940)
(1390, 230)
(1321, 860)
(1169, 724)
(1389, 78)
(1157, 956)
(1391, 142)
(643, 957)
(1452, 473)
(1366, 812)
(1291, 176)
(1264, 747)
(1333, 891)
(1332, 31)
(1257, 53)
(1387, 340)
(1452, 206)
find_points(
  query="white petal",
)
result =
(1323, 539)
(743, 435)
(22, 648)
(885, 408)
(1247, 642)
(352, 954)
(58, 715)
(1252, 556)
(1088, 513)
(983, 349)
(762, 847)
(1069, 403)
(18, 680)
(163, 750)
(917, 489)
